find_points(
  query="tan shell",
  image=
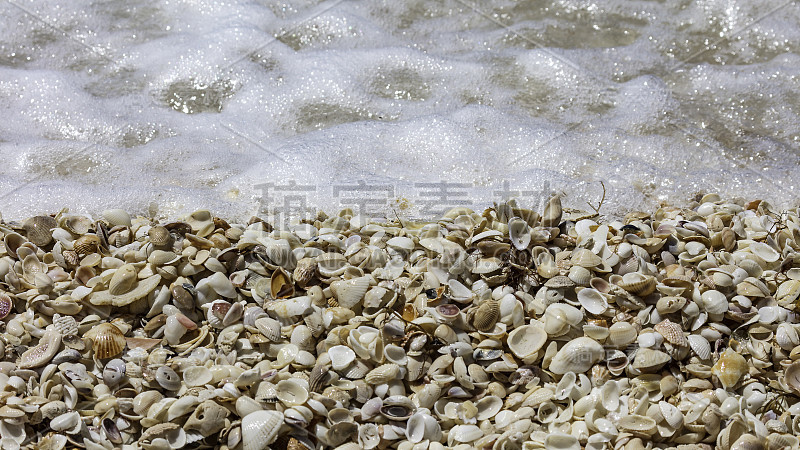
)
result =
(281, 285)
(107, 340)
(672, 332)
(638, 284)
(86, 244)
(730, 368)
(123, 280)
(382, 374)
(207, 419)
(160, 237)
(305, 271)
(140, 289)
(649, 360)
(485, 315)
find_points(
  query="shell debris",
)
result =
(501, 329)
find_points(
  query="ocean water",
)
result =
(394, 107)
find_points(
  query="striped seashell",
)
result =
(41, 354)
(37, 230)
(356, 370)
(66, 325)
(260, 429)
(672, 332)
(649, 360)
(77, 225)
(585, 258)
(267, 392)
(638, 284)
(382, 374)
(107, 340)
(86, 244)
(485, 316)
(318, 379)
(269, 327)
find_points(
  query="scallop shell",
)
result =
(107, 340)
(38, 230)
(485, 315)
(41, 354)
(577, 355)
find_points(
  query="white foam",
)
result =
(394, 94)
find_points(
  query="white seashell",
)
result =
(464, 434)
(289, 307)
(593, 301)
(764, 251)
(341, 356)
(671, 414)
(560, 317)
(174, 330)
(561, 441)
(423, 426)
(488, 407)
(526, 340)
(197, 376)
(182, 406)
(292, 392)
(368, 436)
(519, 233)
(577, 355)
(67, 422)
(349, 293)
(260, 429)
(714, 302)
(700, 346)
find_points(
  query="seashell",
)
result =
(561, 441)
(485, 316)
(637, 424)
(559, 318)
(577, 355)
(305, 271)
(197, 376)
(69, 423)
(270, 328)
(160, 237)
(117, 217)
(114, 371)
(672, 332)
(291, 392)
(616, 362)
(585, 258)
(208, 419)
(764, 251)
(368, 436)
(593, 301)
(649, 360)
(397, 408)
(168, 379)
(38, 230)
(730, 368)
(638, 284)
(136, 291)
(123, 280)
(107, 340)
(527, 340)
(519, 233)
(700, 346)
(552, 213)
(281, 285)
(349, 293)
(622, 334)
(671, 414)
(86, 244)
(382, 374)
(6, 305)
(41, 354)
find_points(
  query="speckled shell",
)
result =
(672, 332)
(6, 305)
(107, 340)
(41, 354)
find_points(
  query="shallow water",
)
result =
(410, 107)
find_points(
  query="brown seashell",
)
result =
(485, 316)
(37, 230)
(318, 378)
(281, 285)
(672, 332)
(730, 368)
(107, 340)
(86, 244)
(305, 271)
(160, 237)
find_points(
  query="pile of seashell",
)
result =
(502, 330)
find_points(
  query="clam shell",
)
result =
(621, 334)
(197, 376)
(117, 217)
(526, 340)
(291, 392)
(160, 237)
(519, 233)
(107, 340)
(593, 301)
(577, 355)
(582, 257)
(672, 332)
(281, 285)
(649, 360)
(700, 346)
(638, 284)
(42, 353)
(552, 213)
(382, 374)
(86, 244)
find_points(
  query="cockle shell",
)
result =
(38, 230)
(107, 340)
(382, 374)
(638, 284)
(349, 293)
(485, 315)
(577, 355)
(86, 244)
(699, 345)
(672, 332)
(41, 354)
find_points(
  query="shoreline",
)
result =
(479, 328)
